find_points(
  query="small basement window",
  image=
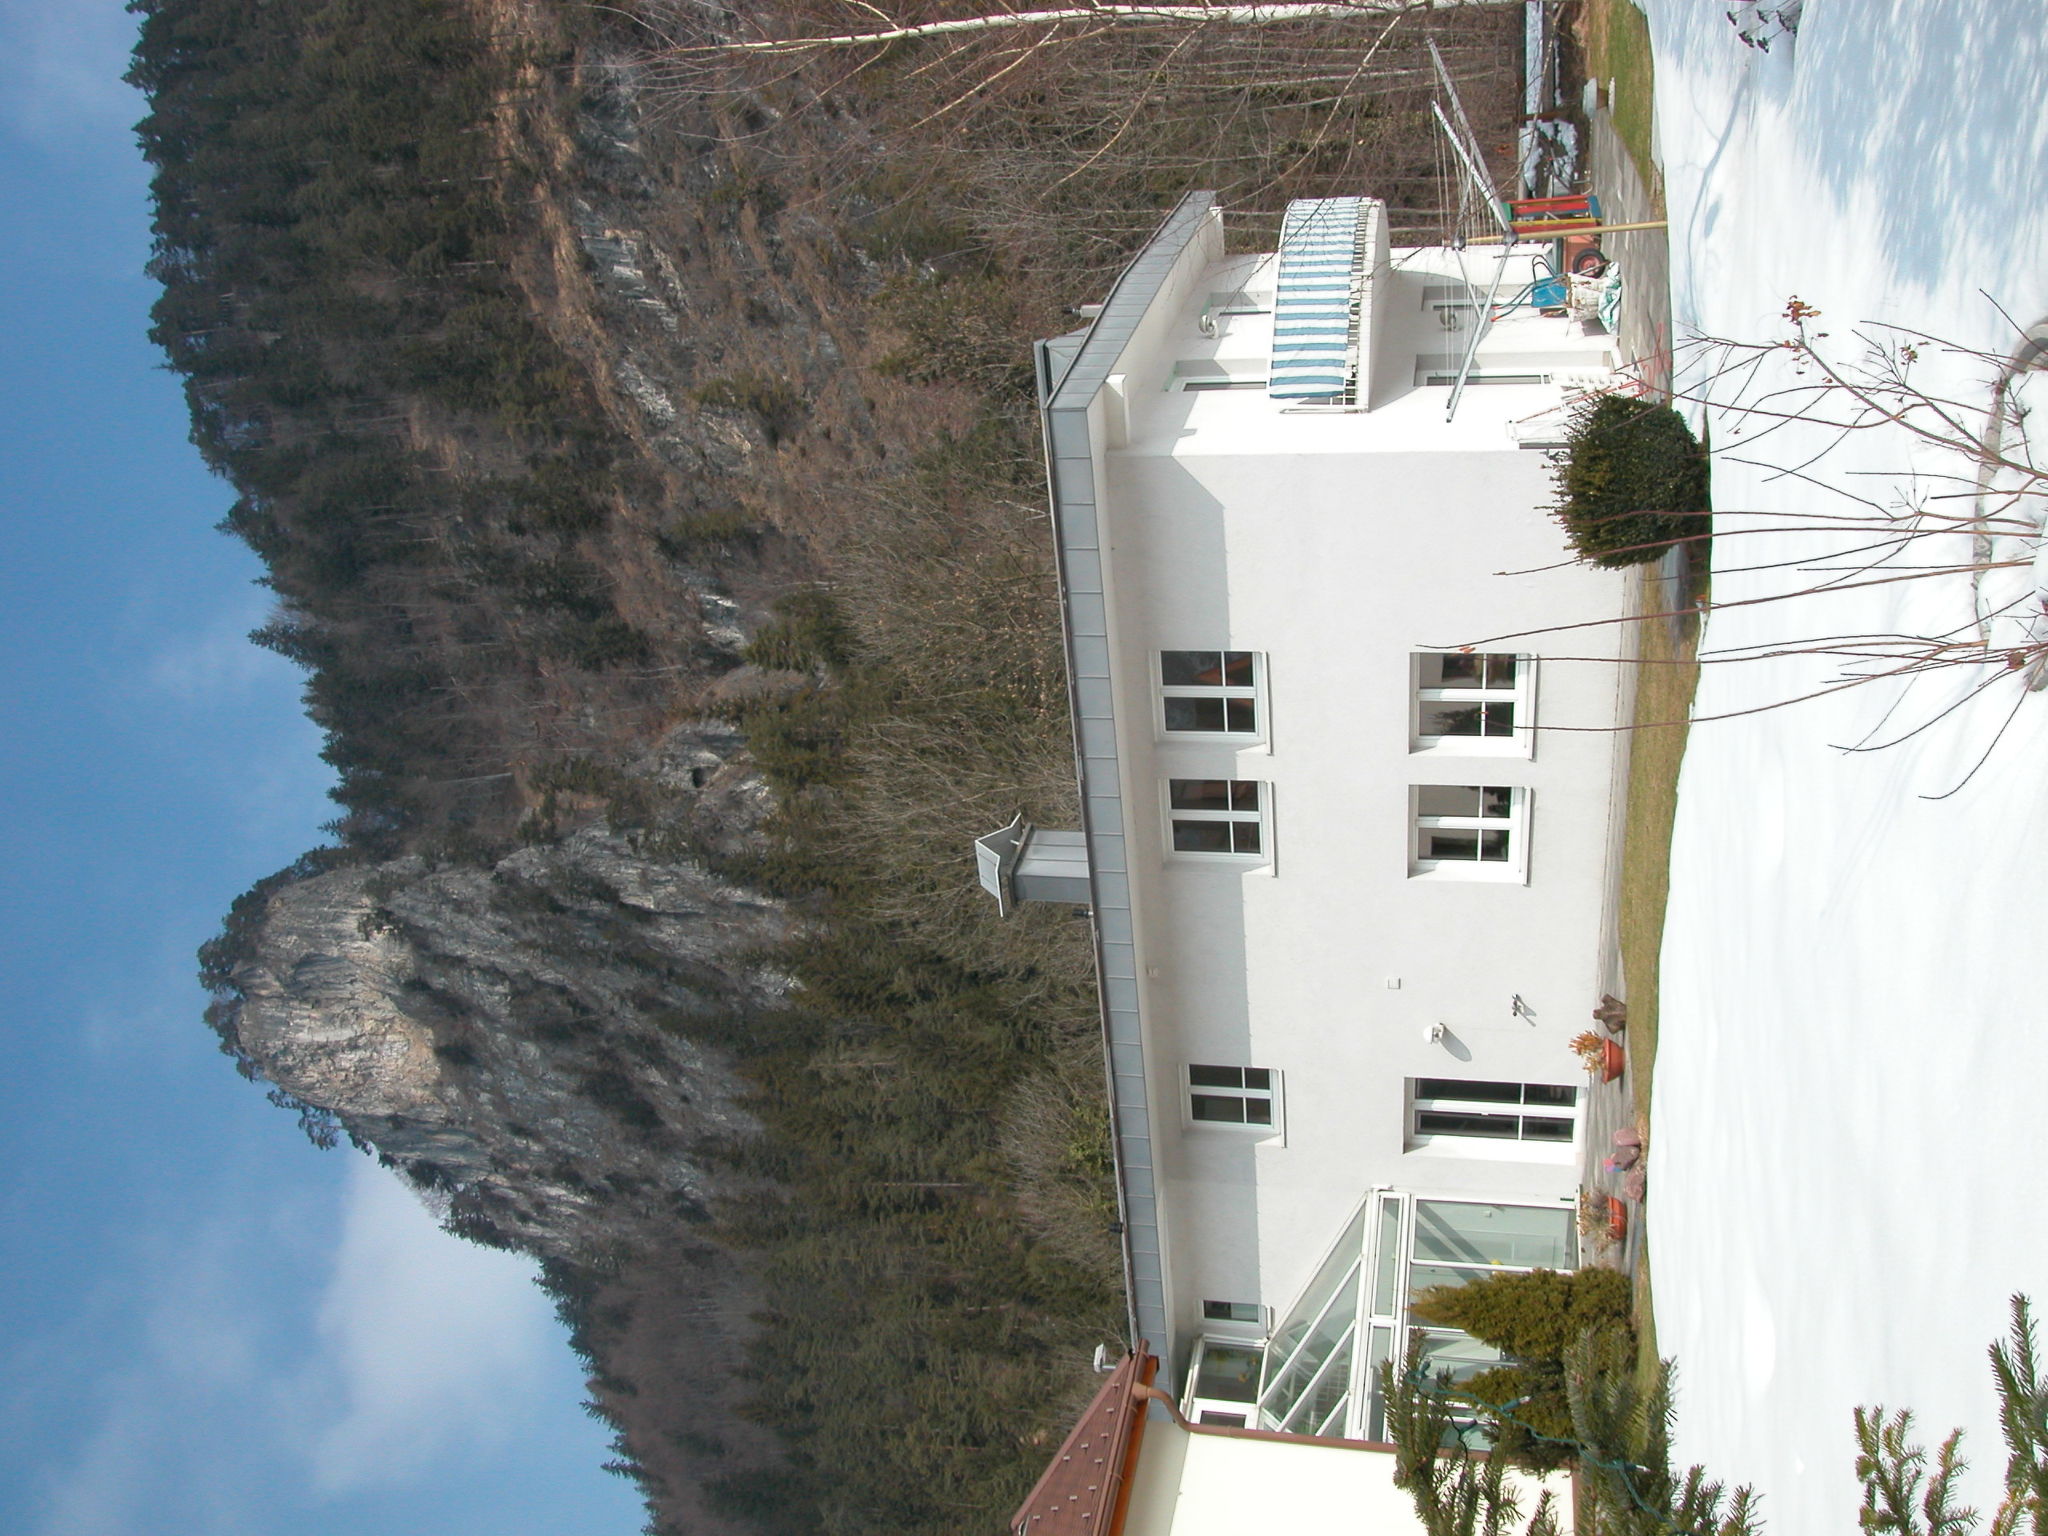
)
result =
(1442, 372)
(1217, 373)
(1233, 1312)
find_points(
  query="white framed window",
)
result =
(1241, 1096)
(1212, 694)
(1219, 819)
(1469, 831)
(1223, 1383)
(1247, 1314)
(1217, 373)
(1536, 1122)
(1474, 704)
(1437, 372)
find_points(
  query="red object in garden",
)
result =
(1617, 1218)
(1611, 1060)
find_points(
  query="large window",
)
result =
(1210, 693)
(1320, 1375)
(1539, 1120)
(1470, 831)
(1474, 704)
(1218, 817)
(1233, 1096)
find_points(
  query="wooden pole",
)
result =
(1527, 233)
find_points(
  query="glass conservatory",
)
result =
(1317, 1372)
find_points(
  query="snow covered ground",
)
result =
(1851, 1115)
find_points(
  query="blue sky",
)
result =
(210, 1327)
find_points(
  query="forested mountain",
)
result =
(639, 445)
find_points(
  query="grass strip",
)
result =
(1617, 37)
(1666, 679)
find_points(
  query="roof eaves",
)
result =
(1084, 1492)
(1069, 453)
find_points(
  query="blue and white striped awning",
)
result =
(1316, 300)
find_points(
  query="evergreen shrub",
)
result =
(1631, 480)
(1536, 1427)
(1533, 1317)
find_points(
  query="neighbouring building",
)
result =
(1350, 797)
(1134, 1465)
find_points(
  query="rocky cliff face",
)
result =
(511, 981)
(515, 1036)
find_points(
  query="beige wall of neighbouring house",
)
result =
(1194, 1484)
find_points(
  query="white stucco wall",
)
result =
(1336, 545)
(1213, 1485)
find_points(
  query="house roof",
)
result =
(1071, 375)
(1083, 1492)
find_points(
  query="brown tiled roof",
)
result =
(1082, 1492)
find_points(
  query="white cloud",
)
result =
(219, 665)
(436, 1345)
(199, 1348)
(61, 66)
(296, 1346)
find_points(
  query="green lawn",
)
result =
(1665, 681)
(1617, 43)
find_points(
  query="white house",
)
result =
(1348, 856)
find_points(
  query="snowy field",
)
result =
(1851, 1114)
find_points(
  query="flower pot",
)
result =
(1617, 1218)
(1611, 1060)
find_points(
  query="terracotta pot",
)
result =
(1611, 1059)
(1617, 1219)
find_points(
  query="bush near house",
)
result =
(1631, 480)
(1535, 1319)
(1533, 1316)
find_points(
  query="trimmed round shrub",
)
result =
(1631, 480)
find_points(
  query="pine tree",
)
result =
(1901, 1495)
(1457, 1491)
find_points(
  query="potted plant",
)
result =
(1598, 1054)
(1594, 1226)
